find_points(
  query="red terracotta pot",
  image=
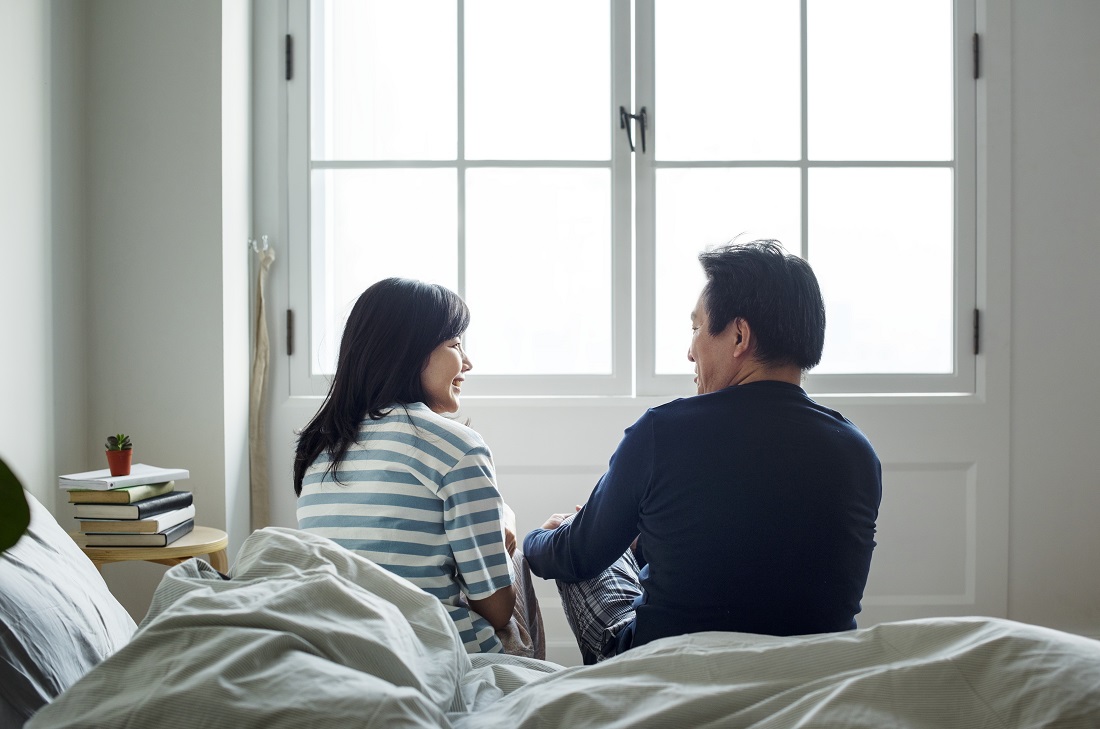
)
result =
(119, 462)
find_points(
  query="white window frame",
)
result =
(633, 261)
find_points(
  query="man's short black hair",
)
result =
(775, 292)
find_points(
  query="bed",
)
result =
(304, 633)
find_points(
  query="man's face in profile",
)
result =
(716, 367)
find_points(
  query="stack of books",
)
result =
(142, 509)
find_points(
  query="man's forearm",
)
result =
(538, 553)
(552, 555)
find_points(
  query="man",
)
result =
(748, 507)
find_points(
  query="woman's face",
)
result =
(442, 376)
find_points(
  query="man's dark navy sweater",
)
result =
(755, 509)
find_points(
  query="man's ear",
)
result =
(742, 337)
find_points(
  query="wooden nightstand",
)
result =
(202, 540)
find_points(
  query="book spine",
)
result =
(161, 539)
(178, 531)
(168, 502)
(121, 495)
(138, 526)
(138, 510)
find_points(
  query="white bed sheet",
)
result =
(308, 634)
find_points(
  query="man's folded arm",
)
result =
(607, 524)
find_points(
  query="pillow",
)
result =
(57, 617)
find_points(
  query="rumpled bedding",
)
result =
(306, 633)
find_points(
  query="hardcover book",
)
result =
(139, 510)
(121, 495)
(152, 525)
(161, 539)
(102, 479)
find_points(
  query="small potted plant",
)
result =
(120, 454)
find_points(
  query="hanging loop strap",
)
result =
(623, 124)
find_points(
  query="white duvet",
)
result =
(306, 634)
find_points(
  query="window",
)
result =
(486, 145)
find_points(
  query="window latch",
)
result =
(626, 117)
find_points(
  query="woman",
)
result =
(380, 471)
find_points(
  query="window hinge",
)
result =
(977, 331)
(977, 47)
(289, 332)
(289, 57)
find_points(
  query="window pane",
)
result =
(727, 82)
(701, 208)
(881, 242)
(538, 270)
(880, 85)
(371, 224)
(538, 79)
(384, 80)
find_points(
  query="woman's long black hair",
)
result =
(391, 331)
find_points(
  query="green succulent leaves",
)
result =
(119, 442)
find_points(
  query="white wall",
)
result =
(126, 210)
(168, 222)
(26, 308)
(68, 206)
(1055, 541)
(236, 211)
(154, 236)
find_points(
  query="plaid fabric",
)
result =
(599, 608)
(524, 634)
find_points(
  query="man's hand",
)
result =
(556, 520)
(509, 530)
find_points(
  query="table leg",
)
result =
(219, 561)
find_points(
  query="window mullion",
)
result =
(460, 166)
(645, 200)
(804, 249)
(622, 260)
